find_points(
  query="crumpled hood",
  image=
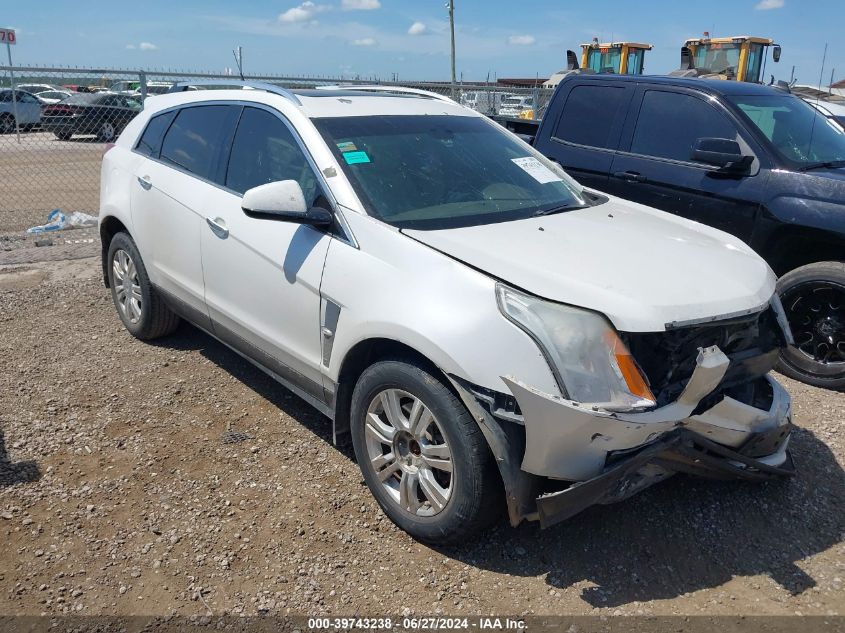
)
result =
(640, 267)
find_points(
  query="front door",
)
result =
(657, 169)
(262, 276)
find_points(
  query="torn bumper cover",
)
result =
(611, 456)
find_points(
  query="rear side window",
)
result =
(589, 114)
(264, 150)
(671, 122)
(195, 137)
(150, 141)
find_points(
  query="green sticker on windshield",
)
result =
(353, 158)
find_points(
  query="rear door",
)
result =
(183, 152)
(29, 108)
(587, 124)
(262, 276)
(654, 167)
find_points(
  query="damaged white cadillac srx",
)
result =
(489, 333)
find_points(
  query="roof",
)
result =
(323, 103)
(717, 86)
(647, 47)
(729, 40)
(838, 84)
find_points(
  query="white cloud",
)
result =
(365, 41)
(417, 28)
(765, 5)
(305, 12)
(526, 40)
(147, 46)
(360, 5)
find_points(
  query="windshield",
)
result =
(801, 134)
(435, 172)
(722, 59)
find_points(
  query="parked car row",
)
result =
(755, 161)
(103, 114)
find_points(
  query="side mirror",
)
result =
(283, 200)
(723, 153)
(776, 53)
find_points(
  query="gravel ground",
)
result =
(176, 478)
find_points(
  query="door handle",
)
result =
(145, 182)
(218, 227)
(629, 176)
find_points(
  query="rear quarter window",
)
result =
(150, 142)
(589, 114)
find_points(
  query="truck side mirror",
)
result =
(776, 53)
(723, 153)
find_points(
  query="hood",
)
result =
(640, 267)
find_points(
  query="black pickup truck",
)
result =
(752, 160)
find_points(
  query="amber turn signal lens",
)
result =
(630, 372)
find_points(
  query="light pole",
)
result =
(451, 6)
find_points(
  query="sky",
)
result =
(377, 38)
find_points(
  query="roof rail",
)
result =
(394, 89)
(255, 85)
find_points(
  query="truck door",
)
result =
(585, 127)
(654, 167)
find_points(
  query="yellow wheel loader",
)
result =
(739, 58)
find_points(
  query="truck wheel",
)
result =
(139, 306)
(813, 297)
(422, 454)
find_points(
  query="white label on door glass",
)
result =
(537, 170)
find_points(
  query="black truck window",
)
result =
(670, 122)
(588, 115)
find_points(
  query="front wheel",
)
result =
(422, 454)
(7, 124)
(106, 132)
(813, 298)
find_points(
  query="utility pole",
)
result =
(451, 7)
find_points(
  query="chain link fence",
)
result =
(54, 127)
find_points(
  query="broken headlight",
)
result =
(590, 362)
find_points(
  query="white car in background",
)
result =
(515, 105)
(488, 332)
(27, 110)
(53, 96)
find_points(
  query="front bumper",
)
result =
(610, 456)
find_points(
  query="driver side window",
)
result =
(264, 150)
(670, 122)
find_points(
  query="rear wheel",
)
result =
(139, 306)
(106, 131)
(813, 298)
(422, 454)
(7, 123)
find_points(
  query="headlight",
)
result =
(589, 360)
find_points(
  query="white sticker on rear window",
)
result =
(537, 170)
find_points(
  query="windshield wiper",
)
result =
(829, 164)
(567, 207)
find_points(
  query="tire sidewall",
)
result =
(823, 271)
(400, 375)
(123, 242)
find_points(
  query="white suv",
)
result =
(489, 333)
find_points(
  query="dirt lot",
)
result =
(124, 490)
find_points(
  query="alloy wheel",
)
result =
(107, 131)
(816, 314)
(408, 452)
(127, 286)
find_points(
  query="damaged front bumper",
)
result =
(609, 456)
